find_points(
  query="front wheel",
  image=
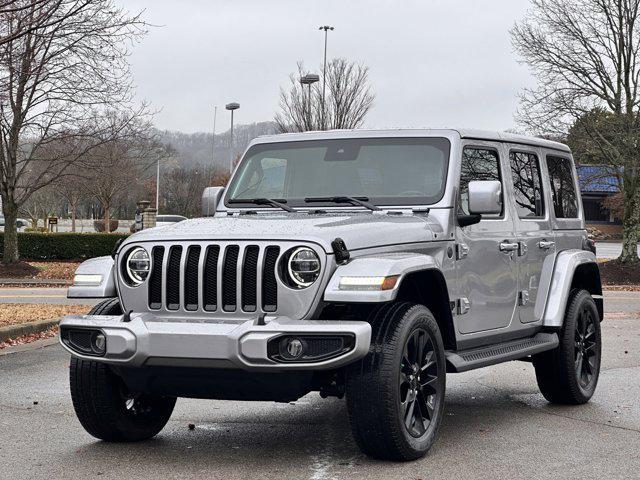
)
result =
(108, 411)
(103, 404)
(395, 395)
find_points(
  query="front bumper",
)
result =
(151, 340)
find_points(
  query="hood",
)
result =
(357, 229)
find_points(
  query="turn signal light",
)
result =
(368, 283)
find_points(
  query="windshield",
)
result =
(386, 171)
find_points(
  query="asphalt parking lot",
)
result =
(497, 425)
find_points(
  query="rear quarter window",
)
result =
(563, 187)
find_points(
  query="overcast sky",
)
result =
(432, 63)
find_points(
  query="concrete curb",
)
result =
(14, 331)
(26, 347)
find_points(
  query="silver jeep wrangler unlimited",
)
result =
(365, 264)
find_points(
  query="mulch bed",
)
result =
(17, 313)
(39, 270)
(614, 274)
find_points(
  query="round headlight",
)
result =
(138, 265)
(303, 267)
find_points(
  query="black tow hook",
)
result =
(127, 316)
(260, 320)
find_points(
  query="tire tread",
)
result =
(555, 369)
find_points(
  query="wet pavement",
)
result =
(497, 425)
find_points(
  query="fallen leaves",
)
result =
(32, 337)
(53, 270)
(625, 277)
(17, 313)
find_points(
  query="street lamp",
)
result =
(158, 187)
(231, 107)
(309, 79)
(326, 29)
(213, 137)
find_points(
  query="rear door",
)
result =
(533, 228)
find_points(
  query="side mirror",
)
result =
(210, 199)
(485, 197)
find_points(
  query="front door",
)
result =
(487, 276)
(534, 234)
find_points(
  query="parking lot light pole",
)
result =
(326, 29)
(231, 107)
(158, 186)
(213, 137)
(309, 79)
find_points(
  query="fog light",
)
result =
(294, 347)
(309, 348)
(99, 343)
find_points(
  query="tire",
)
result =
(562, 373)
(107, 307)
(380, 389)
(103, 404)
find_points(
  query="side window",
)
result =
(563, 188)
(527, 183)
(477, 164)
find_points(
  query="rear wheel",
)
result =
(395, 395)
(569, 374)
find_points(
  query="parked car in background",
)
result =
(21, 223)
(361, 264)
(162, 220)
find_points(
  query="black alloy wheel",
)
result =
(418, 382)
(586, 348)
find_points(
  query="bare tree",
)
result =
(121, 160)
(59, 82)
(41, 205)
(585, 55)
(44, 16)
(349, 99)
(70, 189)
(182, 190)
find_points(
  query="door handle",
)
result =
(508, 247)
(546, 244)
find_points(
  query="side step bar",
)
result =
(465, 360)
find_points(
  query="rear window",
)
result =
(563, 188)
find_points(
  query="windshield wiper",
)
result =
(280, 203)
(362, 201)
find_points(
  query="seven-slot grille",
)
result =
(224, 278)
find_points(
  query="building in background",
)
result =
(596, 185)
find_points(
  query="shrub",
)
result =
(64, 246)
